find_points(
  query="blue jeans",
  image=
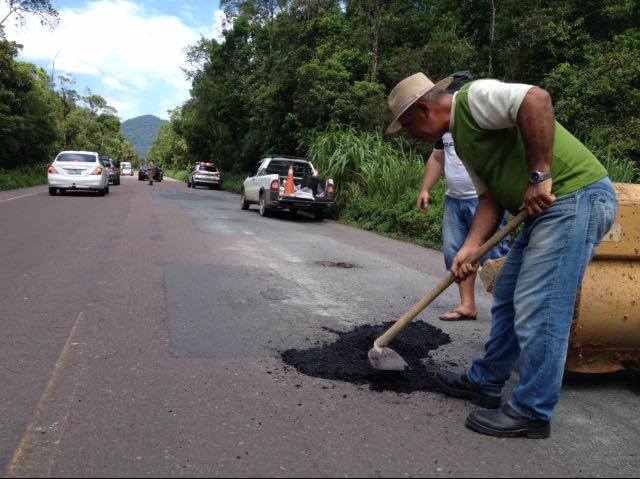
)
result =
(534, 299)
(458, 216)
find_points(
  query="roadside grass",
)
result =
(23, 177)
(620, 170)
(232, 181)
(377, 184)
(399, 220)
(180, 175)
(615, 155)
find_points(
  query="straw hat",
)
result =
(406, 93)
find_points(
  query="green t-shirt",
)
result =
(497, 157)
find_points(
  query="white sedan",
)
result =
(78, 170)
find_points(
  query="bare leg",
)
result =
(468, 300)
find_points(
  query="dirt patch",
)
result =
(346, 358)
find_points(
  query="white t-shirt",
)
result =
(459, 184)
(494, 105)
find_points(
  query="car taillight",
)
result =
(275, 186)
(52, 170)
(216, 174)
(97, 171)
(330, 189)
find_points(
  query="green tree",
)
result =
(20, 10)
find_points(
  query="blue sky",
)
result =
(130, 52)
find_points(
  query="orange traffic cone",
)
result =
(290, 187)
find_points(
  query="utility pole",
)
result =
(53, 70)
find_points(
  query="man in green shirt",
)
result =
(517, 156)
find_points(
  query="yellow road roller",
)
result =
(605, 336)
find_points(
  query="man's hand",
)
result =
(461, 270)
(539, 197)
(423, 201)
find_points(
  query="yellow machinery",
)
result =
(605, 336)
(606, 328)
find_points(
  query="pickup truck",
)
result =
(266, 187)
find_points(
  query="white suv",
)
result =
(125, 169)
(78, 170)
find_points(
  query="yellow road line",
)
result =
(29, 434)
(53, 455)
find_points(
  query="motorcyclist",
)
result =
(151, 171)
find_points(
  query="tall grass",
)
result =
(377, 182)
(365, 163)
(621, 169)
(22, 177)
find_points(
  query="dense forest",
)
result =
(40, 115)
(288, 70)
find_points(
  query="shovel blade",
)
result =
(386, 359)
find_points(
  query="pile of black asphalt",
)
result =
(346, 359)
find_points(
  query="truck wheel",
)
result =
(243, 200)
(319, 215)
(264, 211)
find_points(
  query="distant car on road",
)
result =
(142, 174)
(266, 187)
(205, 174)
(126, 169)
(114, 172)
(78, 170)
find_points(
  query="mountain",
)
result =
(141, 131)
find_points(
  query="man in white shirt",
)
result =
(461, 201)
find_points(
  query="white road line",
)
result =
(23, 196)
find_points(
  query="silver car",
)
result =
(205, 174)
(78, 170)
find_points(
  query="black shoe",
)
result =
(505, 422)
(458, 386)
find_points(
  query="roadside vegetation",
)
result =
(311, 78)
(40, 115)
(23, 177)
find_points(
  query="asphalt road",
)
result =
(141, 335)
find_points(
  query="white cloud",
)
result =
(114, 83)
(126, 45)
(127, 107)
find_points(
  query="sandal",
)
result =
(460, 317)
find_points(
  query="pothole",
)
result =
(346, 359)
(274, 294)
(336, 264)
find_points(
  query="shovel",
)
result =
(384, 358)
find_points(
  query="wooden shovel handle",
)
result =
(399, 325)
